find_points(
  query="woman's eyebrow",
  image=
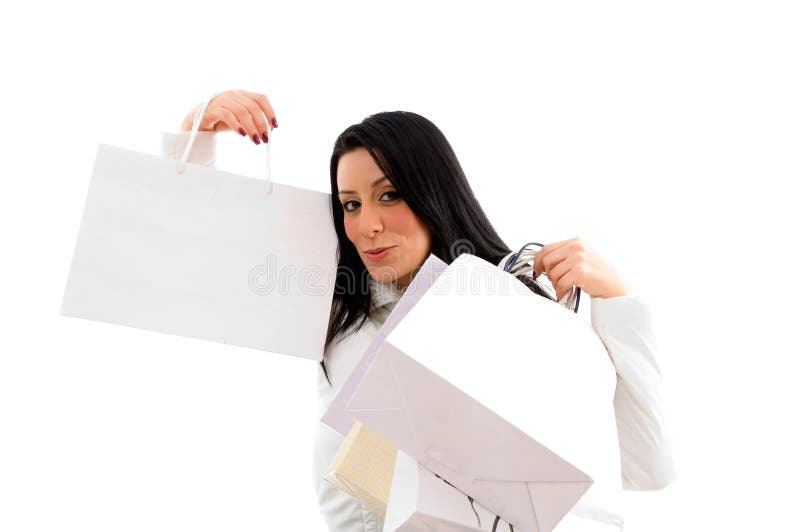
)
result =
(374, 184)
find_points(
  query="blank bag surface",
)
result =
(204, 254)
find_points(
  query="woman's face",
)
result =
(375, 217)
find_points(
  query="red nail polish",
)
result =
(265, 137)
(242, 133)
(274, 123)
(255, 139)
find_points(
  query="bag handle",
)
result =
(196, 127)
(521, 262)
(472, 505)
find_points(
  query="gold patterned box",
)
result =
(363, 467)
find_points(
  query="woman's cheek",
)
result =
(401, 220)
(351, 229)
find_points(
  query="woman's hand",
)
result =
(572, 263)
(248, 113)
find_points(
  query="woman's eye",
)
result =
(352, 205)
(345, 205)
(393, 195)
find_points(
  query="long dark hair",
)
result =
(419, 161)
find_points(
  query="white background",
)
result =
(663, 133)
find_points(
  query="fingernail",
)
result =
(274, 123)
(255, 139)
(242, 133)
(265, 137)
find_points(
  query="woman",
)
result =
(398, 194)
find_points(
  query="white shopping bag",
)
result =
(336, 417)
(420, 501)
(505, 394)
(203, 253)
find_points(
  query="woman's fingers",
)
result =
(248, 113)
(266, 107)
(549, 256)
(226, 120)
(256, 115)
(244, 118)
(558, 274)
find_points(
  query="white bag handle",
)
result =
(193, 135)
(523, 264)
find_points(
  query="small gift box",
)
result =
(363, 467)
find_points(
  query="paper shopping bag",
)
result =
(335, 416)
(507, 395)
(421, 501)
(204, 254)
(363, 467)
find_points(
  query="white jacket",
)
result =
(623, 324)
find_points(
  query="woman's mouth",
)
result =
(379, 254)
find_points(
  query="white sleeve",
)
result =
(625, 326)
(203, 149)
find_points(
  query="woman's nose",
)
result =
(370, 221)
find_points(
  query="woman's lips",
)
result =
(377, 257)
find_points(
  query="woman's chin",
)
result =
(383, 274)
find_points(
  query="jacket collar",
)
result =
(384, 294)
